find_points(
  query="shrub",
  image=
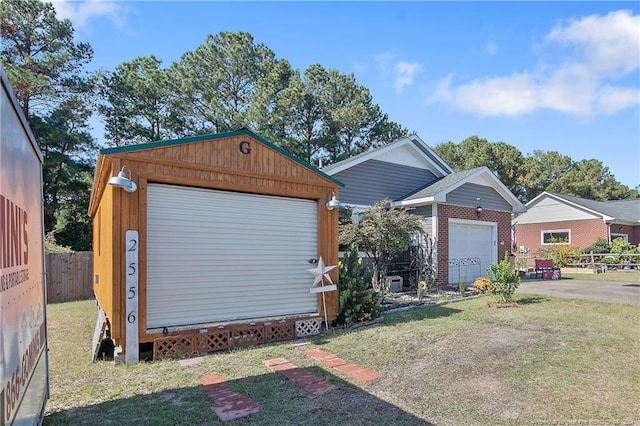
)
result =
(357, 299)
(483, 285)
(504, 278)
(560, 254)
(51, 246)
(622, 248)
(600, 246)
(619, 245)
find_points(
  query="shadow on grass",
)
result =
(529, 300)
(281, 403)
(418, 313)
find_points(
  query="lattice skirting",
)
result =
(308, 327)
(234, 336)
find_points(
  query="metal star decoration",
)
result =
(321, 273)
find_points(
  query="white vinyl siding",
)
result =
(471, 240)
(218, 256)
(551, 210)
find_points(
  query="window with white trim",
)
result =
(556, 236)
(625, 237)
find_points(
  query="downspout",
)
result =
(609, 232)
(436, 236)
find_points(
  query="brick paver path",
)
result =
(312, 384)
(353, 371)
(229, 404)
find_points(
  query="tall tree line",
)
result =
(528, 176)
(226, 83)
(46, 70)
(230, 82)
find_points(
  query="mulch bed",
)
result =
(410, 298)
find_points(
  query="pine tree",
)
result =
(358, 300)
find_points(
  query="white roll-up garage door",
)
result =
(215, 256)
(471, 249)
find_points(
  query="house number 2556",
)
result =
(131, 304)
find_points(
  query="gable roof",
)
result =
(103, 163)
(243, 131)
(440, 168)
(437, 191)
(616, 210)
(442, 185)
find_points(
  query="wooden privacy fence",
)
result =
(69, 276)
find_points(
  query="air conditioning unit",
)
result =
(394, 283)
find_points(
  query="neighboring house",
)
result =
(467, 213)
(553, 219)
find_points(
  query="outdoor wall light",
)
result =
(479, 211)
(124, 182)
(333, 202)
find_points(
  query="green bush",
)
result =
(622, 247)
(619, 245)
(560, 254)
(51, 246)
(504, 278)
(357, 299)
(600, 246)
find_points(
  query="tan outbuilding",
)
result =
(209, 243)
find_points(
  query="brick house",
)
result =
(468, 213)
(553, 218)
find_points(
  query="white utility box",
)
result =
(394, 283)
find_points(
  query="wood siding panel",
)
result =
(373, 180)
(103, 255)
(468, 194)
(216, 164)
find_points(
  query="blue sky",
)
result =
(551, 76)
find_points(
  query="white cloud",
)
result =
(81, 12)
(404, 73)
(610, 44)
(613, 99)
(603, 50)
(513, 95)
(491, 49)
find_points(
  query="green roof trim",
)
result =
(200, 138)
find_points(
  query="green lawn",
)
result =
(547, 360)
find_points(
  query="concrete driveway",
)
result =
(582, 289)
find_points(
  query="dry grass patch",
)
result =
(463, 363)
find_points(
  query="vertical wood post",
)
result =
(131, 328)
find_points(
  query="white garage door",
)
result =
(471, 249)
(217, 256)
